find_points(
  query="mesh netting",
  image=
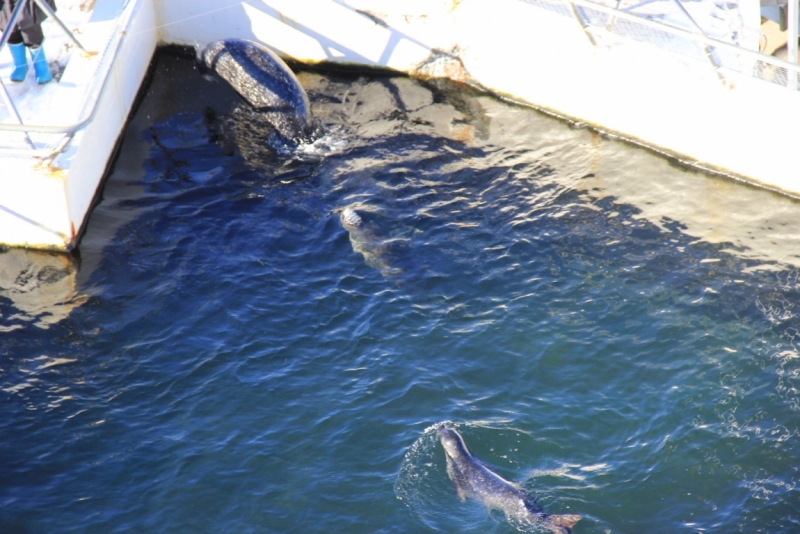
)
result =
(611, 27)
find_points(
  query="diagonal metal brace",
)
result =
(12, 22)
(710, 54)
(14, 113)
(44, 6)
(582, 21)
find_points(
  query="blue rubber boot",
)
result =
(20, 62)
(40, 66)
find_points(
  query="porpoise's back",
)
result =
(473, 478)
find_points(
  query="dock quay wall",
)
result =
(724, 118)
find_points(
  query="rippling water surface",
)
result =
(225, 355)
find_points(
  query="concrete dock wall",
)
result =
(716, 119)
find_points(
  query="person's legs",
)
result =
(33, 38)
(15, 37)
(32, 35)
(40, 65)
(17, 47)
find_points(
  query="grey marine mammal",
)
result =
(264, 80)
(474, 479)
(367, 241)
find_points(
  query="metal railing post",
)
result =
(711, 46)
(12, 22)
(50, 13)
(612, 21)
(582, 22)
(791, 45)
(10, 105)
(6, 98)
(712, 57)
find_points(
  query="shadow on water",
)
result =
(608, 332)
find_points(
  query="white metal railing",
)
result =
(93, 92)
(598, 20)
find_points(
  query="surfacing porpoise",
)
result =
(474, 479)
(264, 80)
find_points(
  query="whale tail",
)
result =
(562, 524)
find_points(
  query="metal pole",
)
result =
(9, 29)
(50, 13)
(791, 46)
(712, 57)
(689, 16)
(582, 22)
(10, 105)
(612, 21)
(12, 22)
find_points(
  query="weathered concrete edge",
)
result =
(644, 95)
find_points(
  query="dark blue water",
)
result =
(223, 355)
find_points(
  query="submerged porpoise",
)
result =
(367, 241)
(264, 80)
(473, 479)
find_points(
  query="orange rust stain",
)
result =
(50, 171)
(455, 71)
(463, 134)
(442, 65)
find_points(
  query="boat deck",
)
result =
(49, 184)
(689, 81)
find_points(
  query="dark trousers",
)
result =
(29, 25)
(32, 36)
